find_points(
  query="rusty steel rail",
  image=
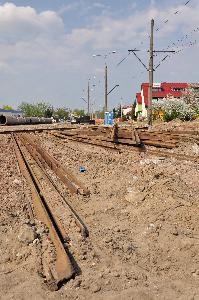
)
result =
(117, 135)
(62, 269)
(126, 148)
(131, 139)
(98, 143)
(62, 172)
(41, 163)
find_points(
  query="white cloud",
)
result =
(40, 42)
(26, 34)
(99, 5)
(68, 7)
(20, 23)
(31, 37)
(80, 36)
(110, 32)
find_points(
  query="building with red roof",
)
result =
(160, 91)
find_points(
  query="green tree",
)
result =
(41, 108)
(132, 113)
(7, 107)
(26, 108)
(38, 109)
(62, 113)
(79, 112)
(49, 113)
(100, 114)
(114, 113)
(117, 112)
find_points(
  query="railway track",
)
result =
(62, 172)
(162, 149)
(63, 224)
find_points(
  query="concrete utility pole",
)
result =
(106, 89)
(88, 101)
(151, 70)
(106, 79)
(150, 92)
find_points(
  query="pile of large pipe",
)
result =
(11, 120)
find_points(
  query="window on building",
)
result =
(157, 89)
(176, 89)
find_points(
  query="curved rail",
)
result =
(62, 172)
(62, 269)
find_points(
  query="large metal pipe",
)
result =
(34, 120)
(46, 120)
(11, 120)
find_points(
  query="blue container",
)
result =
(108, 118)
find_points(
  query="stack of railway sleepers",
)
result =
(128, 136)
(107, 134)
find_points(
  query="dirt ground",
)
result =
(142, 217)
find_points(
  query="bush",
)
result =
(175, 109)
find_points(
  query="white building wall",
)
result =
(125, 111)
(144, 110)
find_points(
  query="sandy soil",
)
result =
(142, 218)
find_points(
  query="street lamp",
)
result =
(106, 78)
(104, 55)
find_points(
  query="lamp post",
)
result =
(88, 99)
(105, 78)
(106, 89)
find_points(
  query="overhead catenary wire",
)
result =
(190, 44)
(177, 45)
(176, 12)
(182, 46)
(184, 37)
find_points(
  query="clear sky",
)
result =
(47, 47)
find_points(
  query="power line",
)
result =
(176, 12)
(176, 45)
(183, 46)
(184, 37)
